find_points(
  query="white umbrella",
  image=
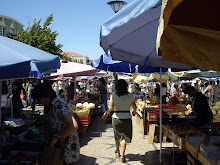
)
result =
(72, 69)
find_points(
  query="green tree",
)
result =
(41, 37)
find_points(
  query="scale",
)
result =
(14, 122)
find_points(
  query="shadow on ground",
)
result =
(86, 160)
(153, 158)
(95, 129)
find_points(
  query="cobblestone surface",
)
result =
(98, 147)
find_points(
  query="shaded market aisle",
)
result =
(98, 147)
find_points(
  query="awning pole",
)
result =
(0, 103)
(11, 81)
(160, 115)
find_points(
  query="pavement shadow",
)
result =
(95, 129)
(153, 158)
(86, 160)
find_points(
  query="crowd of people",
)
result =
(118, 98)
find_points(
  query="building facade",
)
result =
(77, 57)
(9, 26)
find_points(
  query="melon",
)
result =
(85, 104)
(79, 105)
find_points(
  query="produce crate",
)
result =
(83, 120)
(152, 115)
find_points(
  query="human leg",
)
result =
(105, 102)
(33, 103)
(123, 147)
(117, 144)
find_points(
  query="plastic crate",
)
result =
(84, 120)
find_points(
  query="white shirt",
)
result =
(60, 84)
(173, 91)
(122, 103)
(164, 91)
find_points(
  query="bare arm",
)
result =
(111, 105)
(71, 126)
(134, 108)
(207, 89)
(107, 92)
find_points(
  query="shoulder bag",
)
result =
(107, 117)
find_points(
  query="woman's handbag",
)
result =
(107, 117)
(52, 156)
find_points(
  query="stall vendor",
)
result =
(200, 108)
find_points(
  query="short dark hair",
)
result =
(188, 89)
(43, 90)
(164, 84)
(121, 88)
(102, 80)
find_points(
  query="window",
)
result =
(11, 31)
(2, 31)
(81, 61)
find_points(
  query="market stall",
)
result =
(180, 128)
(20, 144)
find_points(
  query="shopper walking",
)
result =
(16, 99)
(120, 102)
(104, 92)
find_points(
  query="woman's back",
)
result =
(122, 103)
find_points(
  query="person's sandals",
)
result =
(117, 153)
(122, 158)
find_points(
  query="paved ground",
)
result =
(97, 147)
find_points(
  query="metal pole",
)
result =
(64, 90)
(160, 115)
(144, 111)
(75, 89)
(0, 103)
(11, 81)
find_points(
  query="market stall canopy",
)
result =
(152, 64)
(206, 74)
(175, 76)
(71, 69)
(140, 78)
(19, 60)
(130, 35)
(106, 63)
(189, 33)
(154, 76)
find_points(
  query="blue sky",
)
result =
(78, 24)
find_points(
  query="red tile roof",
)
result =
(73, 54)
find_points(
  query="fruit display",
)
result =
(173, 100)
(79, 105)
(216, 109)
(186, 130)
(82, 109)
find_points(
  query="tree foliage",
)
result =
(41, 37)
